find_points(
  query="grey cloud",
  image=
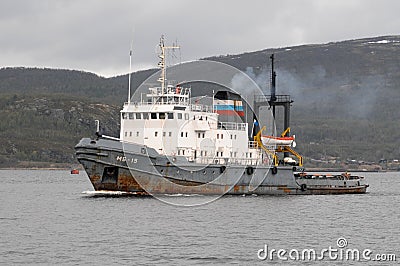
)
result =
(95, 35)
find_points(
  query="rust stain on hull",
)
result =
(127, 183)
(286, 190)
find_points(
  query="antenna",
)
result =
(130, 73)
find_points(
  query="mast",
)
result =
(163, 77)
(273, 85)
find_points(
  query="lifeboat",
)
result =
(282, 141)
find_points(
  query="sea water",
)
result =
(45, 219)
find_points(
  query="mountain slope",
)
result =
(345, 101)
(45, 128)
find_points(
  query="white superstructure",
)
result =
(166, 120)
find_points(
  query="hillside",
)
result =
(45, 128)
(345, 102)
(45, 81)
(345, 95)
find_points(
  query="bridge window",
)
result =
(124, 116)
(131, 115)
(138, 115)
(161, 115)
(179, 115)
(186, 116)
(145, 115)
(170, 115)
(153, 115)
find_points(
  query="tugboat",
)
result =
(169, 144)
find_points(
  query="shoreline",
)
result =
(40, 168)
(311, 169)
(317, 169)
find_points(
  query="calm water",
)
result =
(45, 219)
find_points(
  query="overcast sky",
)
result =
(95, 35)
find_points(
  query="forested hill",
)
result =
(39, 81)
(346, 102)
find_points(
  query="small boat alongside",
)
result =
(331, 183)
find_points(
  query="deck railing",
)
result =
(232, 126)
(279, 98)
